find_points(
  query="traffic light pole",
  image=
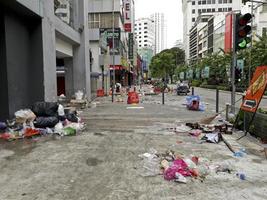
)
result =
(233, 67)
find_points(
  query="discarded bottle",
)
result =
(242, 176)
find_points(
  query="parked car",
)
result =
(182, 89)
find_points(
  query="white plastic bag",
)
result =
(60, 110)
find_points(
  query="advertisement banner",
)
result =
(182, 75)
(256, 90)
(228, 36)
(131, 46)
(205, 72)
(127, 15)
(197, 73)
(108, 34)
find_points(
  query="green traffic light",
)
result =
(243, 43)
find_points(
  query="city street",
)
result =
(103, 162)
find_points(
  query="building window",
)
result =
(224, 9)
(219, 9)
(213, 9)
(140, 33)
(193, 11)
(224, 1)
(199, 11)
(199, 2)
(145, 36)
(140, 24)
(230, 1)
(145, 27)
(209, 2)
(220, 1)
(145, 40)
(145, 23)
(140, 36)
(229, 9)
(204, 10)
(140, 41)
(145, 32)
(208, 10)
(193, 19)
(193, 2)
(145, 45)
(204, 2)
(140, 46)
(213, 1)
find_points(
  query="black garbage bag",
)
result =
(72, 117)
(45, 109)
(45, 122)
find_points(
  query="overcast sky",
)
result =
(173, 14)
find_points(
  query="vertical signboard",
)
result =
(256, 90)
(130, 46)
(108, 34)
(127, 15)
(228, 35)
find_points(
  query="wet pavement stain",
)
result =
(93, 162)
(99, 134)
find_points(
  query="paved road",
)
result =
(102, 163)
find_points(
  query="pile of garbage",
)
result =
(193, 103)
(175, 167)
(42, 119)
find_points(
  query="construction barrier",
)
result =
(100, 93)
(133, 98)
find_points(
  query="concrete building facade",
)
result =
(194, 8)
(28, 70)
(101, 31)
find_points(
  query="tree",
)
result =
(165, 63)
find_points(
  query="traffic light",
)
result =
(242, 38)
(238, 75)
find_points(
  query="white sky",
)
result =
(172, 10)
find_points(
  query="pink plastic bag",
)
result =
(178, 166)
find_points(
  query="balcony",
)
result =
(64, 11)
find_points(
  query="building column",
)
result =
(49, 52)
(81, 61)
(69, 77)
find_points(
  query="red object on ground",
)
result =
(177, 166)
(100, 93)
(157, 90)
(29, 132)
(5, 136)
(194, 105)
(133, 98)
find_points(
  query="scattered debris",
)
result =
(44, 118)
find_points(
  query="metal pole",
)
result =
(217, 101)
(227, 112)
(193, 91)
(113, 48)
(233, 67)
(251, 43)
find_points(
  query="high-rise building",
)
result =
(195, 8)
(144, 33)
(160, 30)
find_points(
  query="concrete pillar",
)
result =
(69, 77)
(81, 61)
(49, 51)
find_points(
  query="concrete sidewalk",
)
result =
(103, 163)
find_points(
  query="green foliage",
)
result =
(196, 83)
(164, 64)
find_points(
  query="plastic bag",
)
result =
(79, 95)
(60, 110)
(45, 109)
(23, 116)
(44, 122)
